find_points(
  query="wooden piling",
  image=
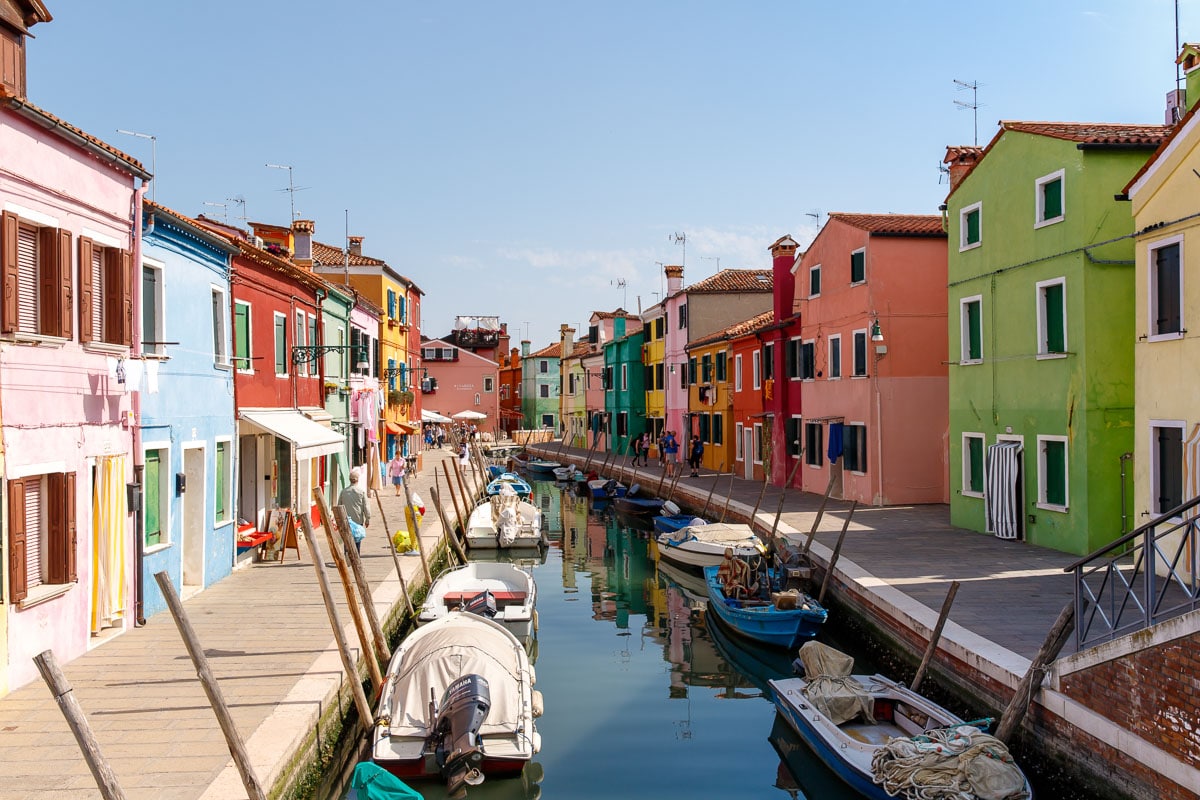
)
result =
(812, 534)
(395, 556)
(462, 524)
(1028, 687)
(761, 494)
(68, 704)
(837, 552)
(728, 493)
(237, 748)
(354, 561)
(935, 637)
(467, 496)
(713, 490)
(783, 494)
(360, 698)
(451, 534)
(415, 530)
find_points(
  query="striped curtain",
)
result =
(1002, 489)
(109, 527)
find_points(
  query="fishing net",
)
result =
(959, 763)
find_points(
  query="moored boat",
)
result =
(885, 741)
(669, 523)
(699, 546)
(500, 591)
(564, 473)
(512, 479)
(638, 506)
(781, 620)
(541, 466)
(605, 488)
(458, 703)
(505, 521)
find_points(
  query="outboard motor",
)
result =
(610, 487)
(482, 604)
(455, 736)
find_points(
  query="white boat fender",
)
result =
(670, 508)
(538, 705)
(536, 740)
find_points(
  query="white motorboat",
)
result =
(500, 591)
(505, 521)
(458, 703)
(699, 546)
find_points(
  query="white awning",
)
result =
(433, 416)
(310, 438)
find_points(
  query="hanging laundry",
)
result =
(835, 442)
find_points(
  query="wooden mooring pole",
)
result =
(935, 636)
(68, 704)
(1028, 687)
(728, 493)
(782, 495)
(354, 561)
(415, 529)
(812, 534)
(713, 490)
(462, 523)
(396, 556)
(451, 534)
(237, 748)
(837, 552)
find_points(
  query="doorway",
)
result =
(1004, 482)
(195, 492)
(748, 453)
(249, 475)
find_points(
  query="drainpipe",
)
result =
(139, 617)
(1124, 504)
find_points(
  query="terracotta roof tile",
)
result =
(1153, 159)
(330, 256)
(620, 312)
(1093, 132)
(894, 224)
(549, 351)
(735, 280)
(51, 122)
(736, 330)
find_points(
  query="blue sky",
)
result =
(524, 159)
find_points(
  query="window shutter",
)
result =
(72, 539)
(1052, 200)
(8, 246)
(1056, 473)
(86, 289)
(111, 296)
(974, 332)
(241, 335)
(858, 266)
(975, 448)
(18, 586)
(1167, 307)
(48, 283)
(124, 261)
(1055, 324)
(62, 270)
(56, 529)
(973, 227)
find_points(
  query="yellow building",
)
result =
(654, 324)
(710, 400)
(1167, 304)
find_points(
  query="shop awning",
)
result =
(311, 439)
(433, 416)
(400, 428)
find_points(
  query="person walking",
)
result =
(464, 457)
(697, 453)
(670, 453)
(644, 449)
(396, 469)
(354, 499)
(634, 447)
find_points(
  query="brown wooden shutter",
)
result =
(8, 267)
(71, 533)
(127, 298)
(86, 334)
(65, 279)
(56, 529)
(18, 585)
(48, 282)
(118, 297)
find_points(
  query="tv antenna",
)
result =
(526, 324)
(973, 105)
(291, 189)
(154, 149)
(620, 284)
(816, 215)
(661, 266)
(240, 202)
(681, 240)
(713, 258)
(224, 210)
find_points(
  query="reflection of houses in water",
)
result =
(549, 498)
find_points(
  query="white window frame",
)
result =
(757, 454)
(1039, 200)
(312, 332)
(964, 343)
(160, 303)
(222, 338)
(854, 365)
(737, 372)
(1041, 462)
(816, 269)
(866, 446)
(829, 357)
(1152, 290)
(963, 213)
(624, 377)
(544, 391)
(301, 340)
(489, 384)
(756, 369)
(739, 451)
(165, 492)
(965, 476)
(862, 250)
(1039, 288)
(230, 511)
(1153, 456)
(233, 357)
(276, 316)
(813, 342)
(787, 446)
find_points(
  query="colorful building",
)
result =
(511, 417)
(541, 375)
(625, 396)
(461, 381)
(781, 381)
(871, 359)
(751, 392)
(654, 323)
(1041, 331)
(573, 405)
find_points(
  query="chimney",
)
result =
(784, 252)
(356, 245)
(1189, 59)
(960, 159)
(674, 279)
(525, 345)
(302, 237)
(618, 326)
(566, 338)
(502, 339)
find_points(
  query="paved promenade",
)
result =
(269, 644)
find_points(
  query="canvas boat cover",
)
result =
(719, 534)
(831, 689)
(445, 650)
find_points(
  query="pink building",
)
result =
(871, 360)
(69, 371)
(459, 380)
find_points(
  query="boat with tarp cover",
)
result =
(698, 546)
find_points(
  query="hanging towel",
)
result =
(835, 442)
(152, 377)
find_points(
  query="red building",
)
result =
(751, 393)
(781, 395)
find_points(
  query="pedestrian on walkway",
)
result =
(644, 448)
(695, 455)
(633, 448)
(662, 449)
(670, 453)
(464, 457)
(354, 499)
(396, 469)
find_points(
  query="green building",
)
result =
(540, 379)
(624, 387)
(1041, 288)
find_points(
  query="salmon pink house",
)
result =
(69, 368)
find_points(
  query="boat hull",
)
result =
(669, 523)
(784, 628)
(635, 507)
(513, 589)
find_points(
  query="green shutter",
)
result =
(222, 487)
(858, 266)
(280, 345)
(1056, 331)
(391, 373)
(974, 331)
(1056, 473)
(241, 335)
(975, 457)
(1052, 199)
(151, 478)
(973, 227)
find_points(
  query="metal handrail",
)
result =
(1131, 578)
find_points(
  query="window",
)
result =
(543, 366)
(544, 390)
(858, 266)
(768, 361)
(1166, 467)
(794, 431)
(391, 304)
(608, 379)
(739, 448)
(156, 493)
(312, 340)
(660, 327)
(683, 316)
(489, 384)
(1052, 317)
(854, 447)
(1052, 472)
(970, 227)
(722, 366)
(153, 329)
(737, 372)
(37, 278)
(718, 429)
(659, 384)
(593, 334)
(814, 281)
(281, 326)
(241, 336)
(758, 444)
(391, 373)
(547, 420)
(41, 532)
(972, 464)
(756, 369)
(813, 444)
(401, 313)
(705, 426)
(691, 371)
(1049, 198)
(835, 356)
(224, 481)
(971, 331)
(220, 335)
(622, 423)
(302, 341)
(624, 377)
(706, 368)
(859, 356)
(1166, 289)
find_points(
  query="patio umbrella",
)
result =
(433, 416)
(469, 414)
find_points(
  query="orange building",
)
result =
(751, 390)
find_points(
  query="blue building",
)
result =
(188, 520)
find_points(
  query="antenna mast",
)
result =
(973, 105)
(680, 239)
(346, 249)
(620, 284)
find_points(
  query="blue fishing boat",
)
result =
(764, 620)
(519, 485)
(541, 467)
(637, 506)
(669, 523)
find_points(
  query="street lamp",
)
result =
(153, 157)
